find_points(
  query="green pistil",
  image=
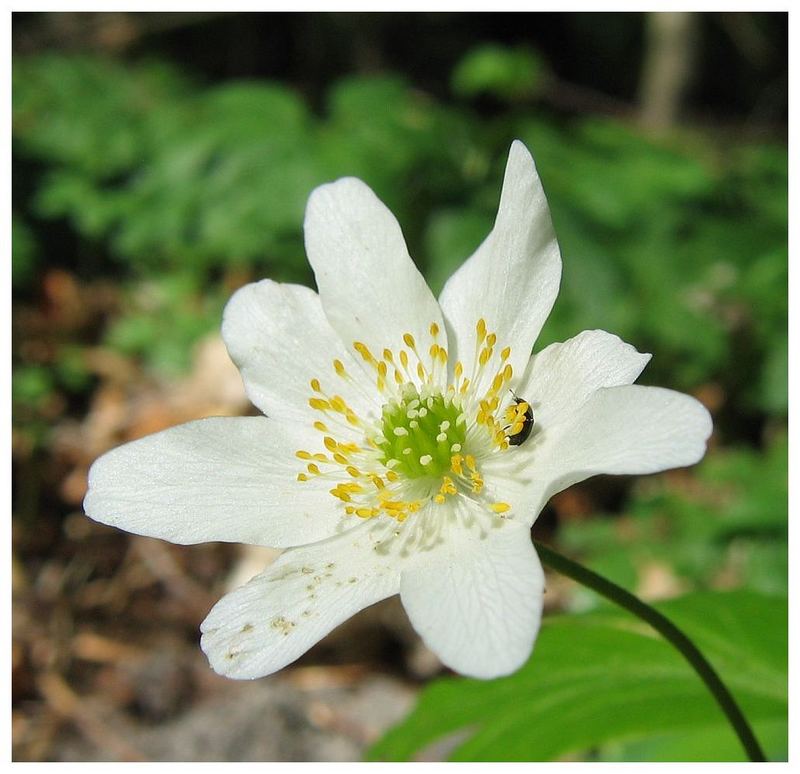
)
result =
(426, 427)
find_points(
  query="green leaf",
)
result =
(510, 74)
(605, 678)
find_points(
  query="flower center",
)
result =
(421, 433)
(436, 427)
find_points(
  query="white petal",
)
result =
(222, 478)
(280, 339)
(512, 279)
(562, 376)
(370, 289)
(276, 617)
(477, 603)
(620, 430)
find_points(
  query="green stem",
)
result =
(666, 629)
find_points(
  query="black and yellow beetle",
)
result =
(522, 435)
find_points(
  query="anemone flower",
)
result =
(408, 444)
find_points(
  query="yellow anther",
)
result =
(392, 476)
(448, 487)
(321, 427)
(353, 471)
(338, 366)
(500, 507)
(341, 494)
(480, 329)
(458, 370)
(420, 371)
(330, 444)
(315, 385)
(434, 330)
(341, 459)
(363, 350)
(366, 513)
(303, 455)
(439, 499)
(338, 404)
(312, 468)
(388, 356)
(378, 481)
(320, 457)
(319, 404)
(486, 354)
(505, 353)
(491, 340)
(455, 464)
(508, 372)
(302, 477)
(470, 460)
(409, 341)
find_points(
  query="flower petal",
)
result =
(276, 617)
(280, 339)
(370, 289)
(477, 603)
(562, 376)
(222, 478)
(620, 430)
(512, 279)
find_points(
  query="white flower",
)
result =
(391, 458)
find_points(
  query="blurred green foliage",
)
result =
(163, 317)
(678, 245)
(602, 684)
(501, 72)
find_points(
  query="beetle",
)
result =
(518, 438)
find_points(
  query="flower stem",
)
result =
(666, 629)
